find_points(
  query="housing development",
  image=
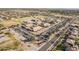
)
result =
(39, 29)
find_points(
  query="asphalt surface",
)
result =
(53, 42)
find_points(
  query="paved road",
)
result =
(57, 41)
(49, 43)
